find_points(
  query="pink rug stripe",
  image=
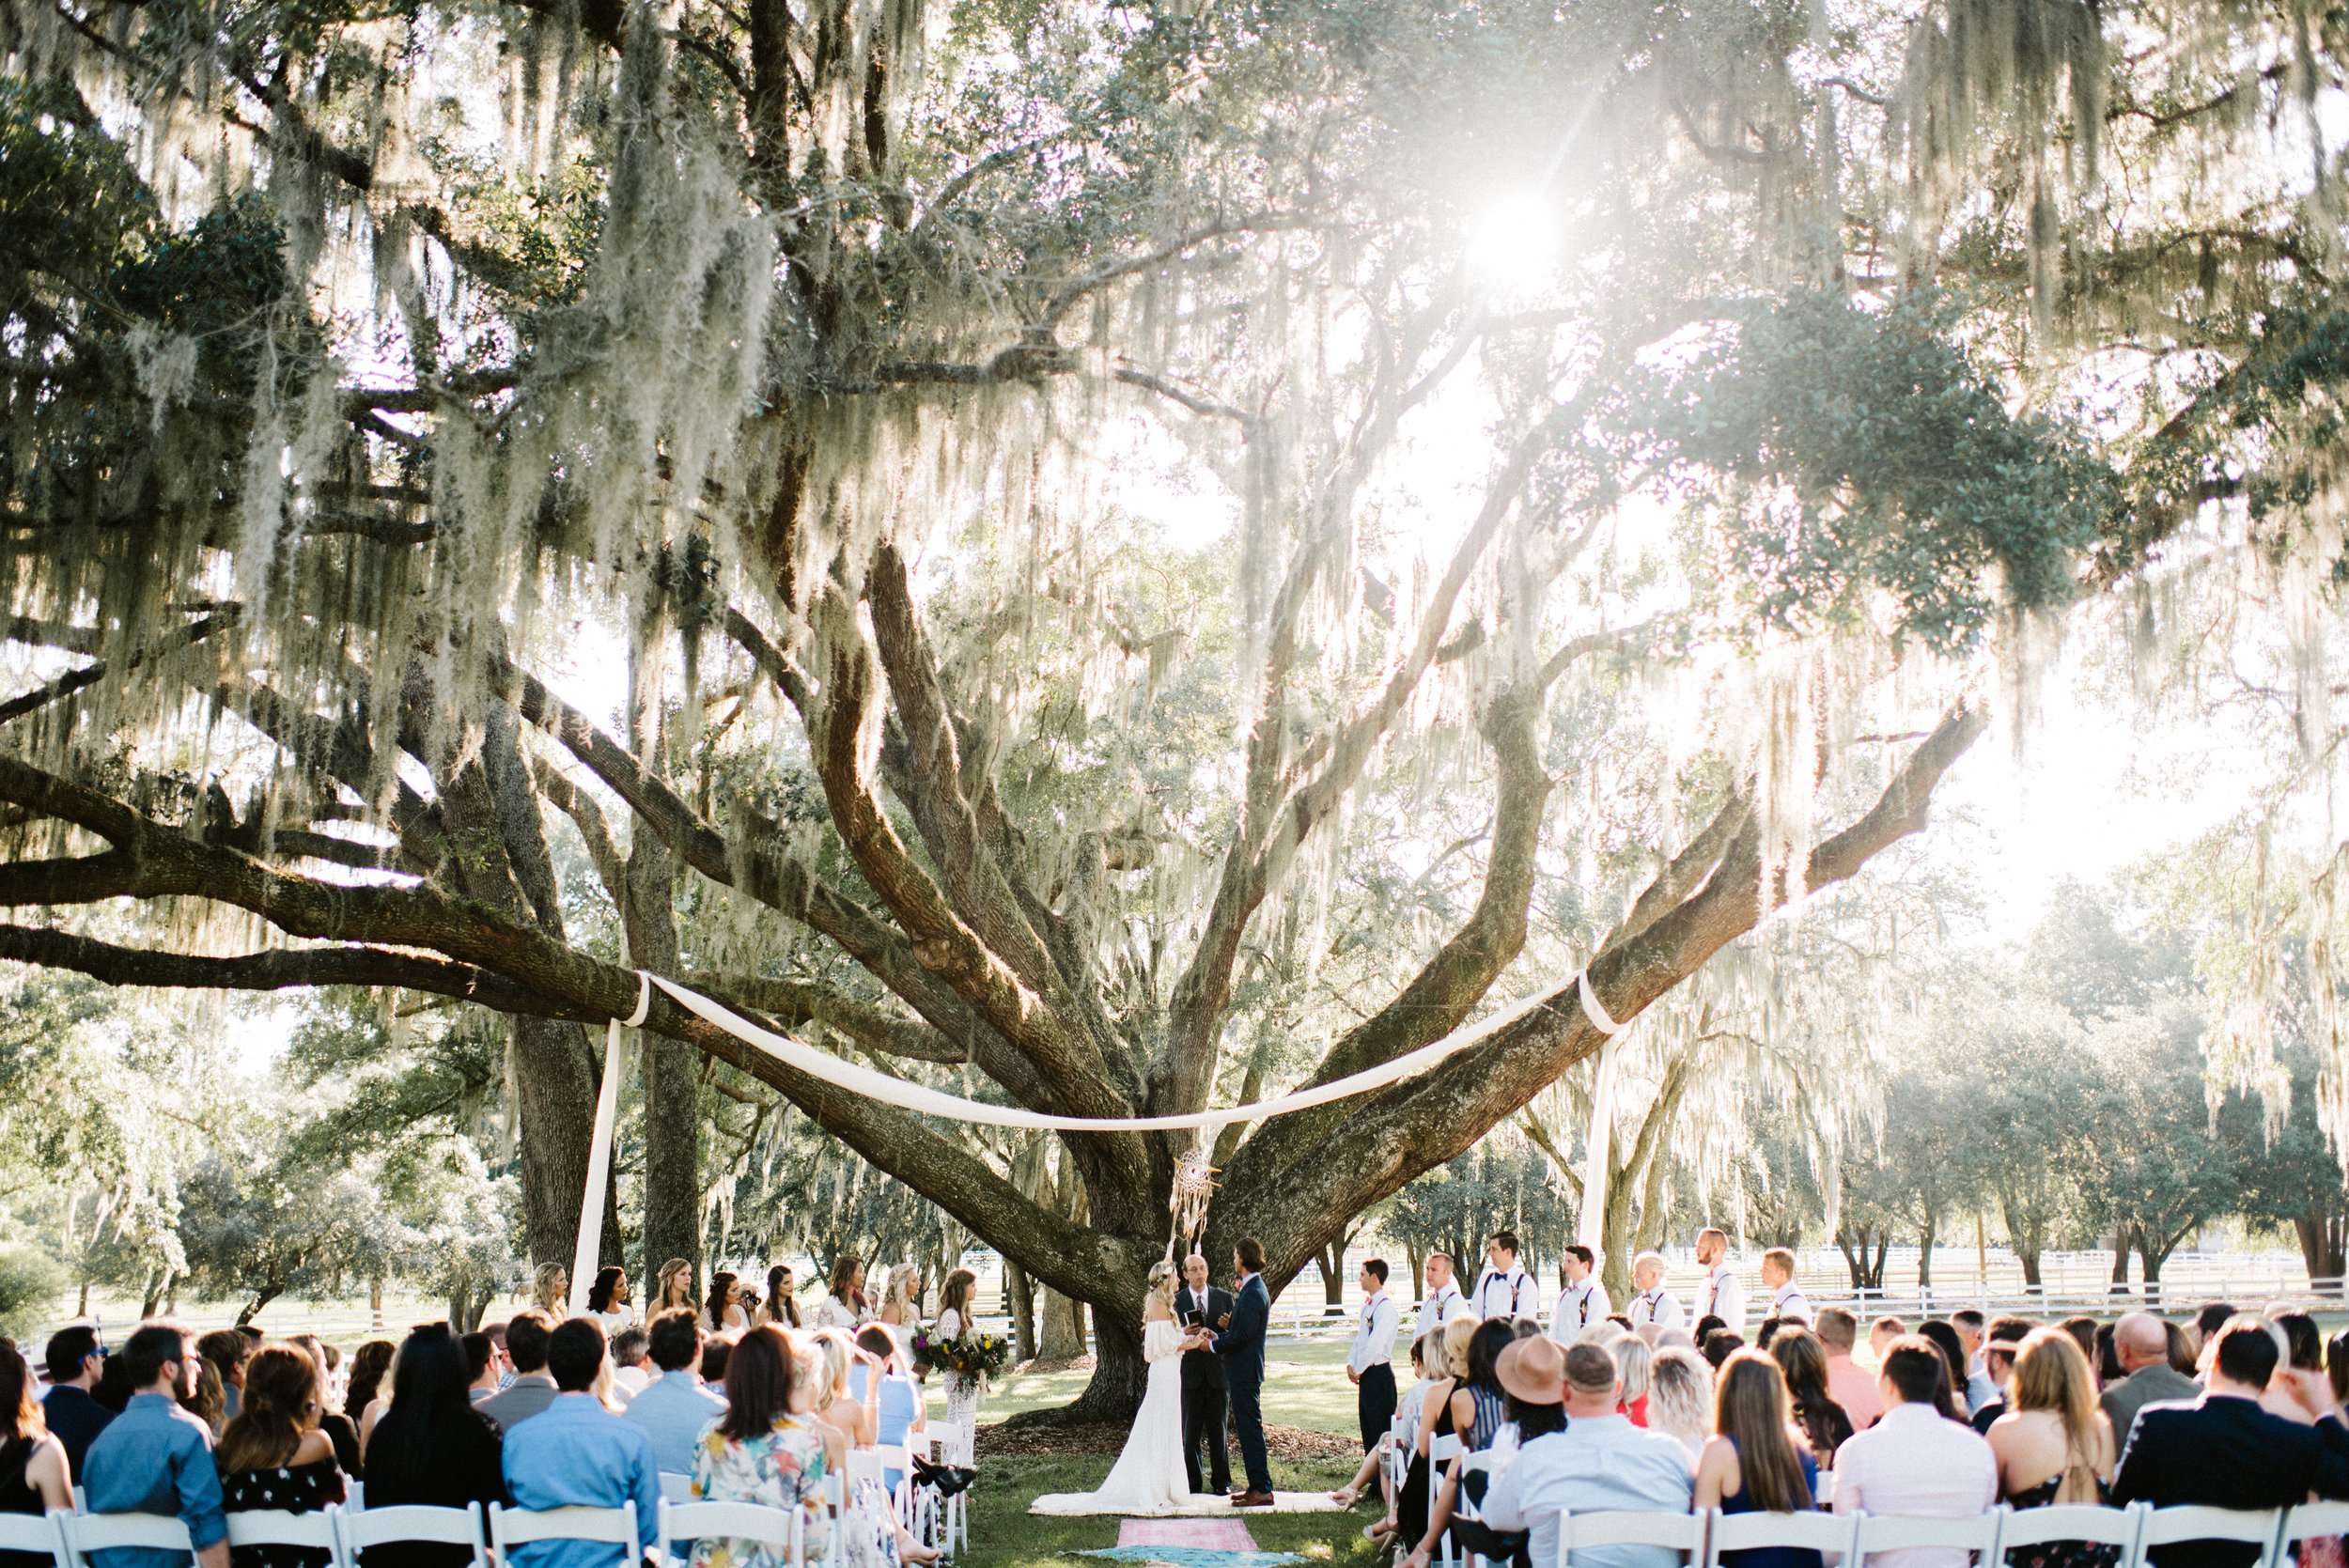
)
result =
(1221, 1535)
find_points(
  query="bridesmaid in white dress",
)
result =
(1149, 1476)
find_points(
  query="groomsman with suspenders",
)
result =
(1370, 1365)
(1721, 1294)
(1443, 1301)
(1583, 1302)
(1506, 1289)
(1654, 1304)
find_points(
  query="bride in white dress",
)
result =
(1149, 1477)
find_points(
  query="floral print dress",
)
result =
(782, 1470)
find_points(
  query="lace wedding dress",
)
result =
(1149, 1476)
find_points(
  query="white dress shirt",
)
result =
(1510, 1295)
(1914, 1464)
(1659, 1307)
(1789, 1301)
(1721, 1294)
(1578, 1307)
(1439, 1308)
(1374, 1336)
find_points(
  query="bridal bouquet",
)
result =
(974, 1354)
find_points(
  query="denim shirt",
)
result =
(580, 1455)
(675, 1410)
(155, 1458)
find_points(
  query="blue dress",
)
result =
(1771, 1557)
(894, 1418)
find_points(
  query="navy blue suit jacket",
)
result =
(1241, 1345)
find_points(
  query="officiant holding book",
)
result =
(1197, 1305)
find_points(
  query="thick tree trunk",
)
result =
(1924, 1254)
(1332, 1261)
(2324, 1231)
(1064, 1337)
(2121, 1241)
(1019, 1302)
(557, 1092)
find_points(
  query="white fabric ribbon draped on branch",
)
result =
(1591, 1225)
(881, 1087)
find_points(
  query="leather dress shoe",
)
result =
(1252, 1500)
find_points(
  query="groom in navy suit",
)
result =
(1241, 1346)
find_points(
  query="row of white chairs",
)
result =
(1851, 1538)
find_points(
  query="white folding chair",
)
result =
(944, 1445)
(1681, 1532)
(676, 1487)
(2308, 1519)
(1442, 1449)
(354, 1497)
(2072, 1521)
(275, 1527)
(37, 1532)
(2254, 1527)
(1397, 1458)
(86, 1533)
(514, 1527)
(741, 1521)
(410, 1521)
(1465, 1506)
(1977, 1533)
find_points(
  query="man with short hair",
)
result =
(629, 1374)
(1979, 1390)
(483, 1361)
(1721, 1294)
(504, 1359)
(1204, 1394)
(1599, 1462)
(228, 1351)
(575, 1453)
(74, 1359)
(2140, 1343)
(2209, 1318)
(2223, 1450)
(1370, 1365)
(1443, 1299)
(1583, 1302)
(1654, 1303)
(2001, 1345)
(1506, 1290)
(156, 1457)
(1241, 1345)
(674, 1408)
(1883, 1331)
(532, 1390)
(1913, 1463)
(1848, 1383)
(1787, 1302)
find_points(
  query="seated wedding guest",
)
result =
(34, 1473)
(2141, 1345)
(759, 1452)
(1633, 1357)
(483, 1363)
(1917, 1461)
(576, 1454)
(227, 1350)
(1680, 1398)
(2208, 1319)
(1599, 1461)
(1802, 1360)
(1407, 1411)
(1945, 1338)
(433, 1445)
(2223, 1450)
(629, 1373)
(1882, 1332)
(527, 1334)
(1848, 1383)
(2107, 1364)
(1446, 1408)
(156, 1457)
(207, 1401)
(676, 1407)
(1754, 1465)
(898, 1410)
(2000, 1343)
(2053, 1445)
(714, 1367)
(1720, 1345)
(2303, 1351)
(340, 1430)
(73, 1416)
(2083, 1332)
(272, 1456)
(367, 1367)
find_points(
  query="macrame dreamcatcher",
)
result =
(1195, 1186)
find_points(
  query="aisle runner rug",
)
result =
(1076, 1505)
(1192, 1556)
(1222, 1535)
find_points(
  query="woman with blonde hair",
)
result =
(1680, 1398)
(1149, 1477)
(273, 1457)
(551, 1290)
(2054, 1445)
(1758, 1461)
(1634, 1355)
(1454, 1409)
(673, 1287)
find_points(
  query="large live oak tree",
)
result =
(749, 306)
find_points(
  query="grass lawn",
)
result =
(1005, 1535)
(1304, 1385)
